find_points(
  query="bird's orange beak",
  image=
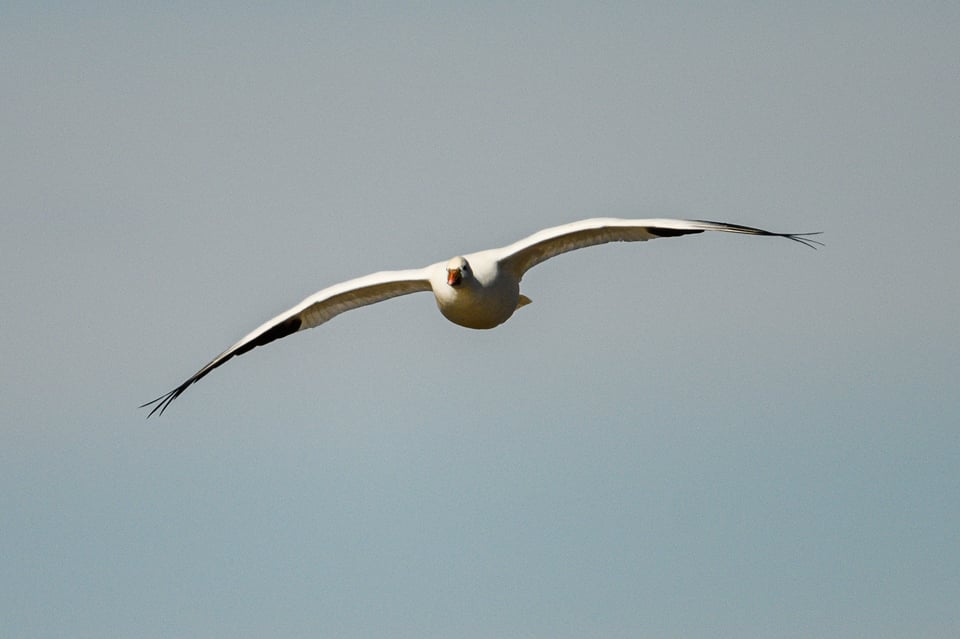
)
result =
(454, 276)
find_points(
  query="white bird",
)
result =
(477, 290)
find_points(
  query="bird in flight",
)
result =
(478, 290)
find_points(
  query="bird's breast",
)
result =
(477, 306)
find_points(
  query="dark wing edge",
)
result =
(311, 312)
(281, 329)
(801, 238)
(543, 245)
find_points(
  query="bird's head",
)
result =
(458, 269)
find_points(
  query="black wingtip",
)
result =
(803, 238)
(164, 400)
(284, 328)
(161, 403)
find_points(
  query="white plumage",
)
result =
(478, 290)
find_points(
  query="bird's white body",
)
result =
(479, 290)
(485, 300)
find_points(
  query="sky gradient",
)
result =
(708, 436)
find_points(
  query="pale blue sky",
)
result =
(711, 436)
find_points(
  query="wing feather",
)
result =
(313, 311)
(541, 246)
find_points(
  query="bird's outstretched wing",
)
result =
(313, 311)
(530, 251)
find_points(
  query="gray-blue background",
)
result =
(714, 436)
